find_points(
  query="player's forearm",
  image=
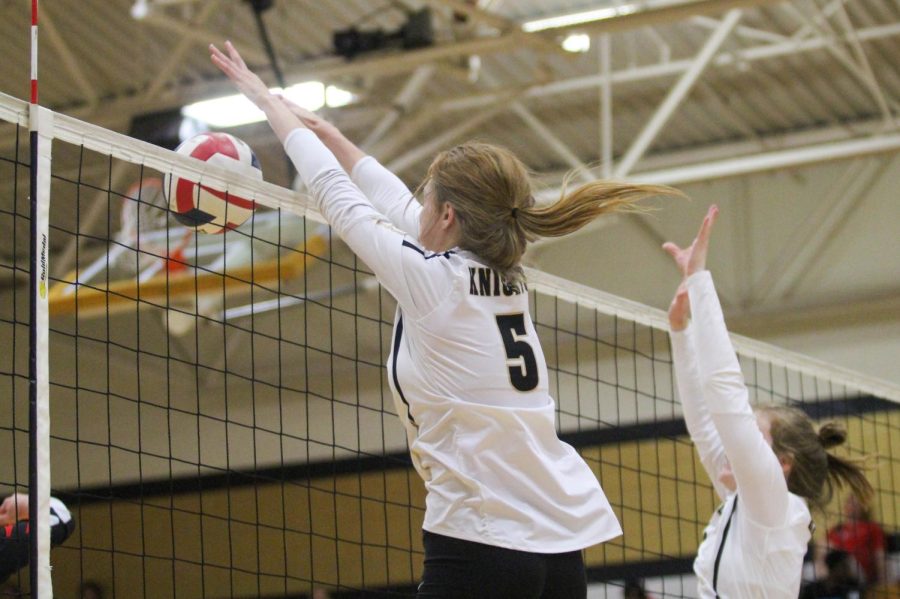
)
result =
(716, 358)
(756, 468)
(699, 424)
(388, 194)
(280, 118)
(350, 213)
(339, 200)
(344, 150)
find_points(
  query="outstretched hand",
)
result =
(247, 82)
(689, 260)
(693, 258)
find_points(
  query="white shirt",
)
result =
(762, 554)
(467, 372)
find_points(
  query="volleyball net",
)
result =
(220, 422)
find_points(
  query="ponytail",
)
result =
(574, 210)
(842, 472)
(490, 190)
(815, 472)
(831, 434)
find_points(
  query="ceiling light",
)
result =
(140, 9)
(578, 18)
(577, 42)
(232, 111)
(335, 96)
(309, 94)
(229, 111)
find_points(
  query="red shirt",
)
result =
(861, 539)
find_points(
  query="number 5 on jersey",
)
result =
(523, 371)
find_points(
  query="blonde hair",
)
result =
(815, 472)
(490, 191)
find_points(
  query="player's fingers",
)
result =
(220, 60)
(671, 249)
(706, 227)
(229, 49)
(235, 55)
(215, 53)
(223, 65)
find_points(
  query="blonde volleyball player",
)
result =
(509, 506)
(767, 466)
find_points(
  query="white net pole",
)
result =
(42, 136)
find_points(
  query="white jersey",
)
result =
(467, 372)
(755, 542)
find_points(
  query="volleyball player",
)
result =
(509, 507)
(768, 467)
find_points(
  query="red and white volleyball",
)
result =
(202, 207)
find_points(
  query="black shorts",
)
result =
(457, 569)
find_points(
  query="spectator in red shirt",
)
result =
(862, 538)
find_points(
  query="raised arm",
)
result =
(385, 190)
(417, 284)
(757, 471)
(344, 150)
(699, 423)
(388, 194)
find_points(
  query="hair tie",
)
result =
(514, 212)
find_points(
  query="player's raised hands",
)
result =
(693, 258)
(280, 117)
(247, 82)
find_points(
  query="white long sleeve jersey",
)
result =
(754, 543)
(467, 373)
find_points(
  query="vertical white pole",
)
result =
(41, 125)
(39, 374)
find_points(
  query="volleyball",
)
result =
(201, 207)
